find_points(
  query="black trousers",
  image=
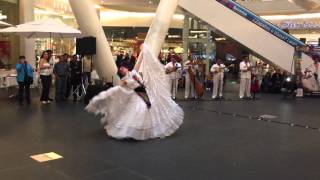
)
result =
(24, 91)
(61, 88)
(46, 84)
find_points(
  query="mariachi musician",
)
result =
(192, 82)
(173, 70)
(190, 65)
(245, 73)
(217, 71)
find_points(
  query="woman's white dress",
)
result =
(125, 113)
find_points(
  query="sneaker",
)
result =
(44, 102)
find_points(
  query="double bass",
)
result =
(198, 86)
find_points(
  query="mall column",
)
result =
(160, 25)
(27, 46)
(90, 25)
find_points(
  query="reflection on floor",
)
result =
(209, 145)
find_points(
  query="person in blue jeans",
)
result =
(24, 79)
(61, 71)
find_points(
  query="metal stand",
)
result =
(83, 85)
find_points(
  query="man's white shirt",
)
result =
(175, 74)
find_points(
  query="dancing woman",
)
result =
(139, 108)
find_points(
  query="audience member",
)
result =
(24, 79)
(45, 69)
(61, 71)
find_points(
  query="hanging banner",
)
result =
(276, 31)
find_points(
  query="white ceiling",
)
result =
(261, 7)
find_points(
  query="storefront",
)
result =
(9, 44)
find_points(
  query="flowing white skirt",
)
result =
(127, 116)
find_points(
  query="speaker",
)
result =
(86, 46)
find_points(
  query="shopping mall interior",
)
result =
(159, 89)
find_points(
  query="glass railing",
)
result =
(264, 24)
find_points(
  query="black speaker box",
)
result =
(86, 46)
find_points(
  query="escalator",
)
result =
(250, 30)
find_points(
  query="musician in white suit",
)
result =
(173, 69)
(189, 84)
(217, 71)
(245, 74)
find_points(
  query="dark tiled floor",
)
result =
(209, 145)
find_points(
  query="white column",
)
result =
(90, 25)
(160, 25)
(185, 38)
(27, 46)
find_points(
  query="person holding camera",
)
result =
(24, 79)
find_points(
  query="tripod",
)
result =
(81, 89)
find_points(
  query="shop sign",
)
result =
(298, 25)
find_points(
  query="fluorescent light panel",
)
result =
(297, 16)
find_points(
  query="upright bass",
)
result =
(198, 86)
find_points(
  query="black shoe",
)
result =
(50, 99)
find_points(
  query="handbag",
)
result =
(27, 78)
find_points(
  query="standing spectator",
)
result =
(45, 76)
(245, 73)
(87, 68)
(76, 69)
(120, 58)
(266, 84)
(254, 86)
(61, 71)
(277, 80)
(24, 78)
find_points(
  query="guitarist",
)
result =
(190, 65)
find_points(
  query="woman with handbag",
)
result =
(24, 79)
